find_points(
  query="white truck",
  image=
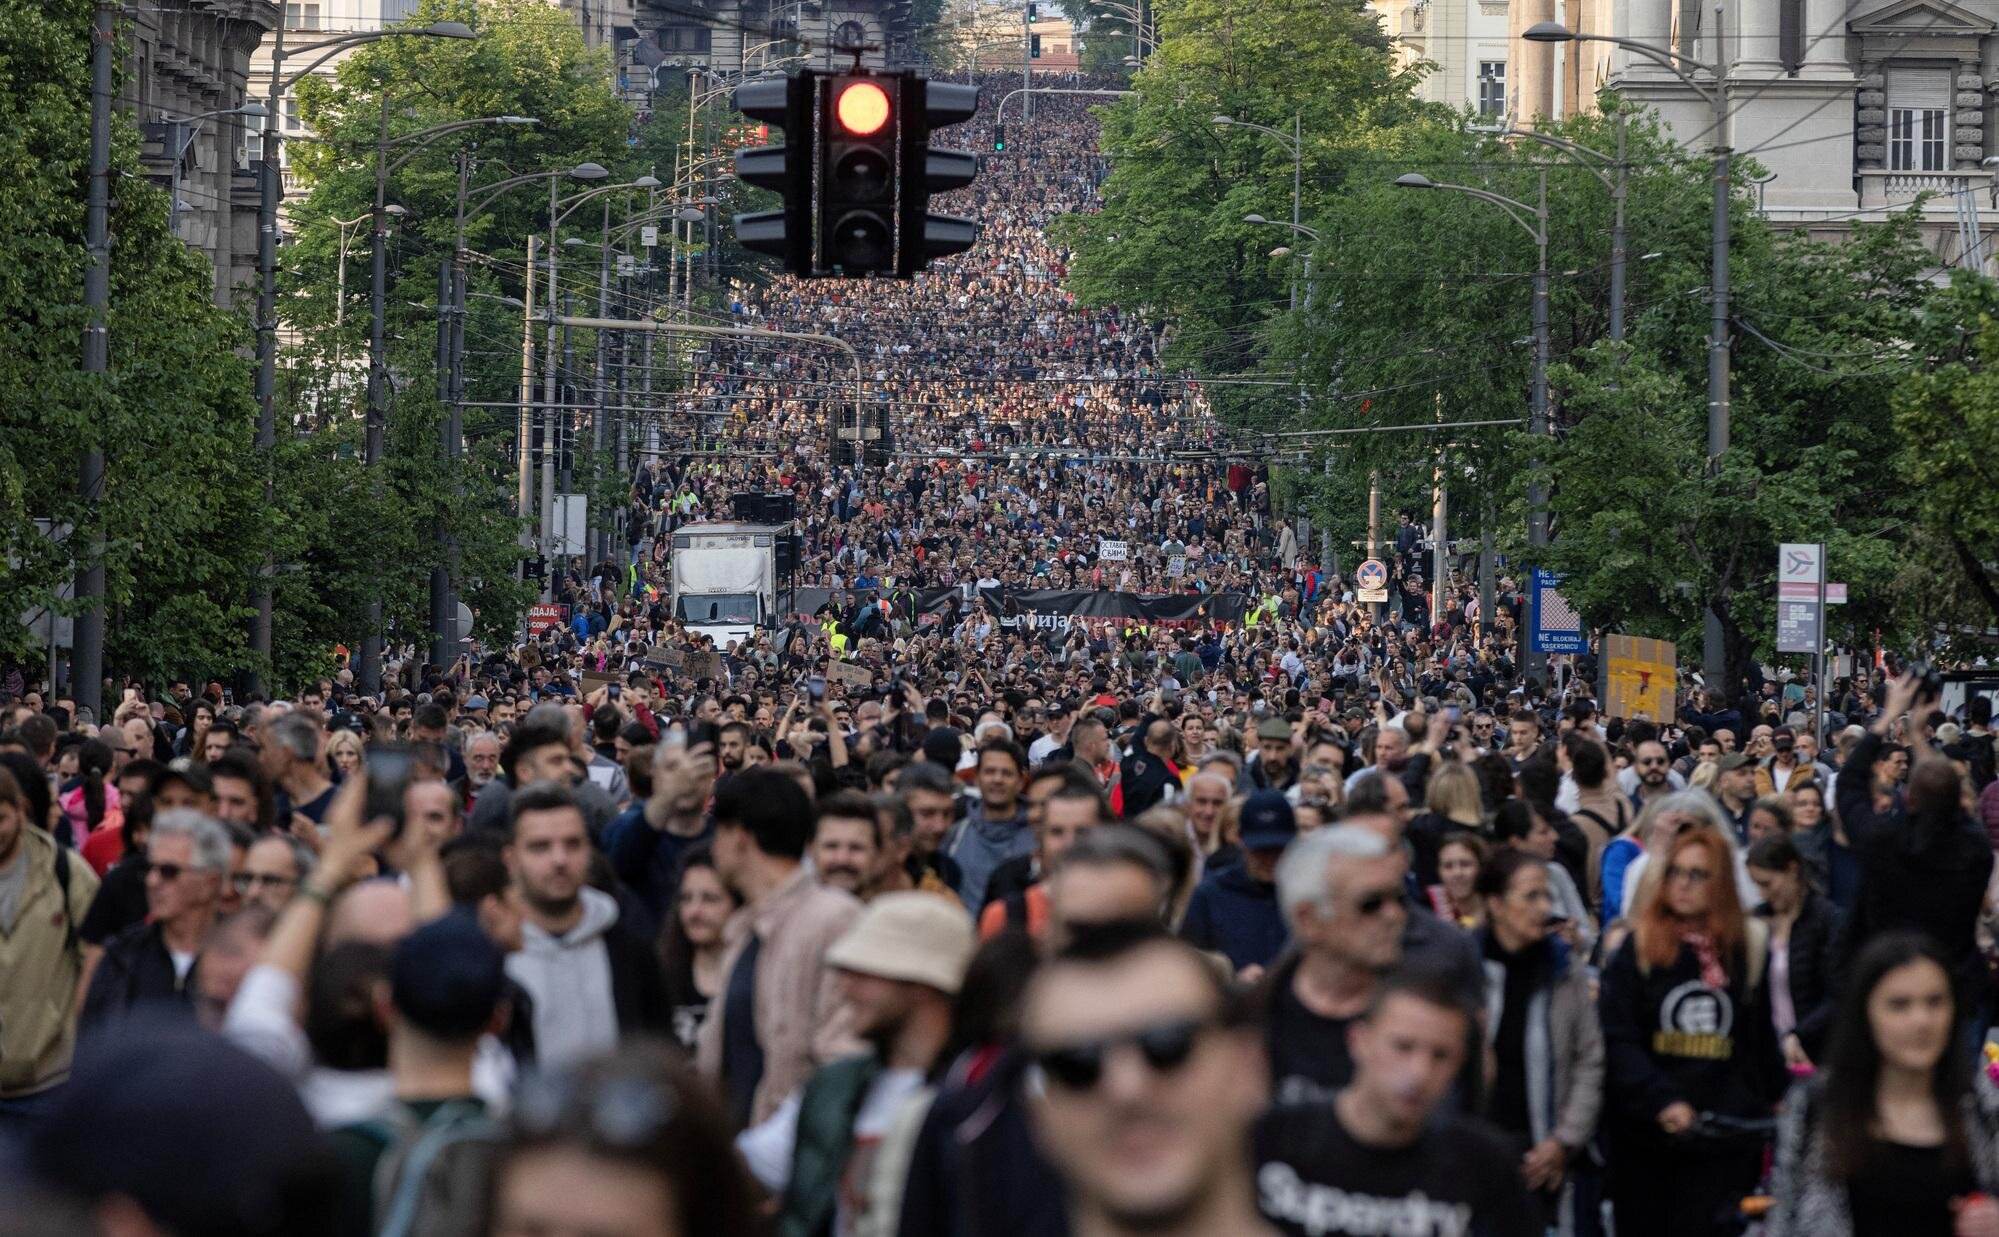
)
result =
(724, 578)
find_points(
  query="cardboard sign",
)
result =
(1176, 566)
(592, 680)
(702, 665)
(530, 657)
(666, 657)
(1639, 677)
(850, 673)
(1113, 551)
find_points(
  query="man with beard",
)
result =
(732, 743)
(1142, 1085)
(482, 766)
(846, 844)
(927, 791)
(592, 978)
(899, 968)
(1654, 780)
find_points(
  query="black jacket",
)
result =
(1811, 956)
(976, 1171)
(136, 970)
(1925, 874)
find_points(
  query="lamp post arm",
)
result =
(1660, 57)
(1518, 211)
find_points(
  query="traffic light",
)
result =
(856, 171)
(1034, 46)
(1032, 9)
(785, 233)
(999, 138)
(860, 130)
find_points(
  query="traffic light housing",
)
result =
(785, 233)
(999, 138)
(1034, 47)
(856, 171)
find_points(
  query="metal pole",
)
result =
(1487, 564)
(1713, 655)
(1818, 656)
(601, 412)
(1374, 527)
(547, 535)
(440, 582)
(1537, 491)
(1297, 170)
(1617, 239)
(524, 448)
(87, 657)
(269, 188)
(370, 675)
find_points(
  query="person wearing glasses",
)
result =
(1687, 1033)
(272, 870)
(1142, 1083)
(187, 861)
(1383, 1157)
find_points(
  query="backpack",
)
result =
(432, 1178)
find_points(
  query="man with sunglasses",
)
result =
(1381, 1158)
(1142, 1085)
(187, 862)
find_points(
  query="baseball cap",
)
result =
(1734, 760)
(1268, 823)
(1273, 728)
(447, 976)
(915, 937)
(475, 703)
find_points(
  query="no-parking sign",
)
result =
(1371, 581)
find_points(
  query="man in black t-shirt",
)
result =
(1382, 1158)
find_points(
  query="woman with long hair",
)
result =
(1804, 929)
(1454, 897)
(1452, 803)
(345, 754)
(1686, 1026)
(1899, 1133)
(691, 947)
(1546, 1044)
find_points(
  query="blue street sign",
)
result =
(1553, 625)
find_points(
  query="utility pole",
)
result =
(1374, 529)
(1713, 652)
(524, 447)
(440, 575)
(87, 655)
(601, 520)
(369, 679)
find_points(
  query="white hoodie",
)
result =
(569, 977)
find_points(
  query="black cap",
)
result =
(447, 977)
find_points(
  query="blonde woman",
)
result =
(344, 753)
(1452, 805)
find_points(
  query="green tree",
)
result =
(181, 512)
(530, 60)
(1947, 426)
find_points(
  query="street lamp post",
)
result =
(1719, 359)
(369, 676)
(1612, 173)
(269, 192)
(1296, 141)
(1534, 220)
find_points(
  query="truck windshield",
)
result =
(713, 608)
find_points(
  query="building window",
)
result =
(290, 109)
(253, 146)
(1492, 88)
(301, 16)
(1919, 120)
(684, 40)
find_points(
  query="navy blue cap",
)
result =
(1268, 823)
(448, 976)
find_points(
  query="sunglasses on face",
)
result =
(1373, 904)
(1165, 1046)
(244, 882)
(166, 871)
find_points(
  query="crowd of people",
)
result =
(899, 920)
